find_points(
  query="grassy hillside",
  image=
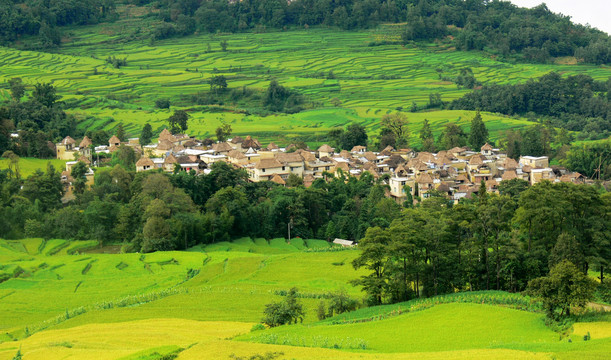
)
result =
(368, 81)
(146, 306)
(27, 166)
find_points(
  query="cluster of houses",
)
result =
(458, 172)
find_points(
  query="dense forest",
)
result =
(575, 103)
(498, 26)
(488, 242)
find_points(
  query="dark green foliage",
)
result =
(223, 132)
(78, 174)
(575, 103)
(287, 311)
(120, 133)
(565, 287)
(478, 134)
(218, 83)
(394, 130)
(146, 135)
(452, 136)
(162, 103)
(593, 161)
(116, 62)
(17, 88)
(178, 121)
(355, 134)
(426, 135)
(280, 99)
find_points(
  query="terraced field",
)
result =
(65, 300)
(368, 81)
(27, 166)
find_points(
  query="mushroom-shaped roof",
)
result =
(145, 161)
(278, 179)
(325, 148)
(86, 142)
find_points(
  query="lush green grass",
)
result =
(135, 306)
(28, 166)
(370, 81)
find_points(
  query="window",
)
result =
(283, 168)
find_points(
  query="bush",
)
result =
(162, 103)
(284, 312)
(257, 327)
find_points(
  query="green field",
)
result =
(27, 166)
(74, 301)
(370, 81)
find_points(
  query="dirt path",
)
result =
(599, 307)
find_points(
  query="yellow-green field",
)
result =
(69, 300)
(368, 81)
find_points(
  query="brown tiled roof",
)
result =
(86, 142)
(278, 179)
(166, 135)
(236, 154)
(165, 145)
(325, 148)
(288, 157)
(370, 156)
(222, 147)
(345, 154)
(68, 140)
(145, 161)
(509, 174)
(272, 146)
(170, 159)
(268, 164)
(344, 166)
(476, 160)
(237, 140)
(425, 179)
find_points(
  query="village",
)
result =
(457, 173)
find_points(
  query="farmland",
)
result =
(75, 301)
(343, 76)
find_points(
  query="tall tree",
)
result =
(178, 121)
(46, 94)
(479, 133)
(426, 136)
(17, 88)
(397, 125)
(146, 135)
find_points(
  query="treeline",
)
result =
(39, 121)
(491, 242)
(575, 103)
(499, 26)
(151, 211)
(42, 18)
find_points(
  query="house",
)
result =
(144, 164)
(114, 141)
(65, 149)
(222, 148)
(397, 188)
(359, 149)
(535, 162)
(266, 169)
(344, 243)
(325, 150)
(293, 161)
(85, 147)
(486, 149)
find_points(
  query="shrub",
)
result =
(257, 327)
(162, 103)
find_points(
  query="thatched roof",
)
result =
(278, 179)
(145, 161)
(268, 164)
(114, 140)
(325, 148)
(86, 142)
(68, 140)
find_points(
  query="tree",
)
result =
(146, 135)
(285, 312)
(78, 174)
(224, 45)
(178, 121)
(13, 165)
(45, 94)
(162, 103)
(426, 135)
(563, 288)
(17, 88)
(275, 96)
(479, 133)
(340, 302)
(355, 134)
(397, 124)
(452, 136)
(218, 83)
(124, 156)
(120, 132)
(374, 256)
(223, 132)
(294, 180)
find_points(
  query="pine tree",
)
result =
(146, 135)
(479, 133)
(426, 135)
(121, 132)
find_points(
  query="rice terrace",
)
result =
(273, 179)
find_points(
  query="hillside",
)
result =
(133, 306)
(361, 85)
